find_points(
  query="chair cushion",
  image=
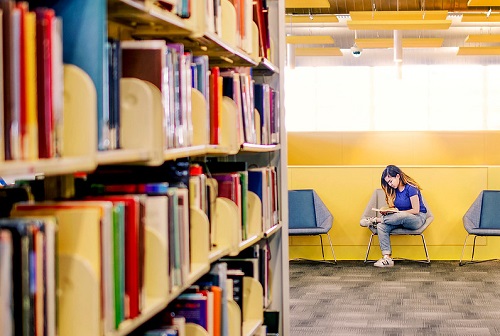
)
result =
(301, 211)
(490, 210)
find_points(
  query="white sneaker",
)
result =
(384, 262)
(369, 221)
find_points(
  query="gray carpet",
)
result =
(411, 298)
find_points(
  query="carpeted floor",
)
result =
(411, 298)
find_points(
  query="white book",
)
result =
(6, 312)
(2, 144)
(58, 83)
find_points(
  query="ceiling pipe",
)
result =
(398, 53)
(290, 55)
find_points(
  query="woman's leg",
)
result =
(394, 221)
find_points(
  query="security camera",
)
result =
(356, 51)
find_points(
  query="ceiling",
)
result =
(453, 37)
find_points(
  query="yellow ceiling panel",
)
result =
(309, 39)
(398, 15)
(328, 18)
(399, 24)
(307, 4)
(488, 38)
(318, 52)
(483, 3)
(477, 17)
(478, 51)
(375, 43)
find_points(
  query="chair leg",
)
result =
(472, 261)
(425, 249)
(331, 247)
(322, 249)
(473, 249)
(461, 263)
(369, 246)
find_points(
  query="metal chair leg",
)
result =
(322, 249)
(472, 261)
(331, 247)
(425, 249)
(369, 246)
(463, 250)
(473, 249)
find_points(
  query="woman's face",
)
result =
(392, 181)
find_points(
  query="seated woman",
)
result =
(402, 193)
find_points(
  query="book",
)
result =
(46, 135)
(385, 209)
(237, 293)
(215, 84)
(6, 83)
(15, 111)
(147, 60)
(30, 142)
(80, 266)
(192, 306)
(115, 73)
(86, 48)
(6, 285)
(133, 255)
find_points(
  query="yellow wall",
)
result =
(344, 169)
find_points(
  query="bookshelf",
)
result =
(143, 144)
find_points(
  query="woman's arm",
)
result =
(415, 205)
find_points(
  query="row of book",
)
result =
(31, 103)
(234, 181)
(100, 252)
(32, 47)
(247, 12)
(120, 242)
(207, 302)
(176, 72)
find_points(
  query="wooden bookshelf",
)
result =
(145, 20)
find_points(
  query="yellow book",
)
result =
(30, 139)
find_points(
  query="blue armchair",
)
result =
(309, 216)
(482, 219)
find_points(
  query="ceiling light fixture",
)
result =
(483, 3)
(408, 42)
(399, 24)
(309, 39)
(307, 4)
(478, 51)
(317, 18)
(318, 52)
(480, 17)
(483, 38)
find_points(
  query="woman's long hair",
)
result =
(390, 193)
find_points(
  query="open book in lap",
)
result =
(385, 209)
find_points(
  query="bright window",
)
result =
(465, 97)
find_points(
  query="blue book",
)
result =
(86, 48)
(193, 307)
(255, 182)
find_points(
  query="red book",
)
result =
(258, 17)
(44, 29)
(215, 105)
(23, 9)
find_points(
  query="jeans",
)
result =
(397, 220)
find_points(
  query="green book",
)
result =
(119, 261)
